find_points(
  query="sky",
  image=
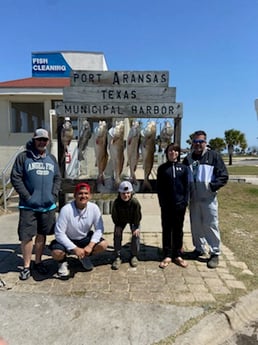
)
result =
(209, 48)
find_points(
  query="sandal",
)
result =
(165, 263)
(180, 262)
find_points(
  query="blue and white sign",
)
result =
(50, 65)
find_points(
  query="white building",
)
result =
(27, 104)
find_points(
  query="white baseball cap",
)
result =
(40, 133)
(125, 186)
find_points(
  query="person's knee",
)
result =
(100, 247)
(40, 238)
(58, 254)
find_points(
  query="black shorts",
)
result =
(79, 243)
(32, 223)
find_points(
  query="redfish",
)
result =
(132, 146)
(84, 137)
(100, 145)
(148, 138)
(66, 133)
(166, 134)
(116, 149)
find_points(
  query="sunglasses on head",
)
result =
(198, 141)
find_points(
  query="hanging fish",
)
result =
(84, 137)
(66, 133)
(148, 136)
(132, 145)
(166, 134)
(100, 145)
(116, 149)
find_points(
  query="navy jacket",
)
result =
(172, 185)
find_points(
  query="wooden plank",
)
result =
(119, 78)
(120, 94)
(120, 110)
(68, 186)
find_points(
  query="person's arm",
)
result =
(57, 179)
(98, 226)
(61, 228)
(220, 173)
(115, 213)
(17, 177)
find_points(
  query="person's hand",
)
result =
(136, 233)
(79, 252)
(88, 249)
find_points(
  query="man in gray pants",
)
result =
(207, 174)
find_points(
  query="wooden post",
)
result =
(177, 130)
(61, 160)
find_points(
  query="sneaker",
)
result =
(41, 268)
(63, 270)
(24, 274)
(86, 263)
(213, 261)
(116, 264)
(134, 261)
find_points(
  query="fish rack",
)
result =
(116, 96)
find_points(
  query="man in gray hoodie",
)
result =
(36, 178)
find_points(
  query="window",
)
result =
(26, 117)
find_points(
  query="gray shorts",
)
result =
(32, 223)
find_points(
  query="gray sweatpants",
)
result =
(205, 225)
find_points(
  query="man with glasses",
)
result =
(36, 178)
(208, 174)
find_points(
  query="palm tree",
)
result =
(234, 138)
(217, 144)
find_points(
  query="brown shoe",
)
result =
(180, 262)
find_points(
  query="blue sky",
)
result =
(209, 47)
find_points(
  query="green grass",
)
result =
(238, 204)
(242, 170)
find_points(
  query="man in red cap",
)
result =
(73, 234)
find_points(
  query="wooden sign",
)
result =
(112, 109)
(119, 94)
(119, 78)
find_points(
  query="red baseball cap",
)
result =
(81, 185)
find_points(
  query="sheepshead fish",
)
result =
(66, 133)
(148, 137)
(166, 134)
(116, 149)
(84, 137)
(100, 145)
(132, 145)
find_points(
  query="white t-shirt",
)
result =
(74, 224)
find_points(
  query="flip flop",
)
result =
(180, 262)
(164, 263)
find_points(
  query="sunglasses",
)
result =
(42, 139)
(198, 141)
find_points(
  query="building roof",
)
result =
(36, 83)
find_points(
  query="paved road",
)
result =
(138, 306)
